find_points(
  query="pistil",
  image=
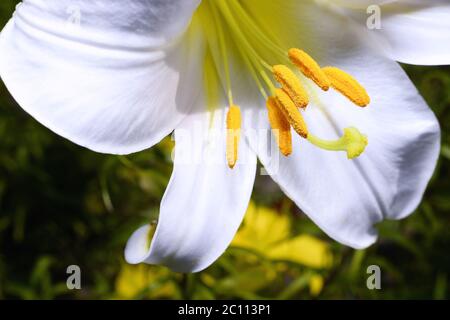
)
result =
(352, 141)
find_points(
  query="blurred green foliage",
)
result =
(61, 204)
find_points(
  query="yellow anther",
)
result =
(347, 85)
(291, 112)
(281, 127)
(309, 67)
(352, 141)
(291, 84)
(233, 134)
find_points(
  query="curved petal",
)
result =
(205, 200)
(112, 76)
(411, 31)
(347, 197)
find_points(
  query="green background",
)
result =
(61, 204)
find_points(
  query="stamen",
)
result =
(280, 127)
(262, 39)
(229, 26)
(348, 86)
(224, 55)
(242, 43)
(291, 84)
(352, 141)
(233, 134)
(211, 82)
(291, 112)
(309, 67)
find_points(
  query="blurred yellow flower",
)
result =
(268, 233)
(303, 249)
(316, 285)
(135, 281)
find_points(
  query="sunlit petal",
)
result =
(205, 200)
(110, 76)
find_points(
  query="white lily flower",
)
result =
(118, 76)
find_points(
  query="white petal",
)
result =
(347, 197)
(204, 203)
(113, 76)
(414, 32)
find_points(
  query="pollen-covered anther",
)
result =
(347, 85)
(291, 84)
(233, 134)
(281, 127)
(309, 67)
(291, 112)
